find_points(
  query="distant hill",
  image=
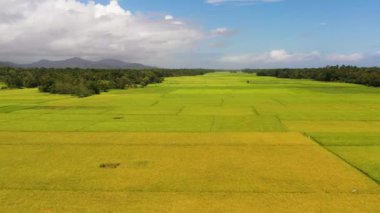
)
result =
(7, 64)
(79, 63)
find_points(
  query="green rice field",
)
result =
(222, 142)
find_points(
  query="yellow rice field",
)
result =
(209, 143)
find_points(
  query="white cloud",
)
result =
(279, 55)
(377, 53)
(240, 2)
(37, 29)
(177, 22)
(283, 58)
(169, 17)
(271, 57)
(222, 31)
(58, 29)
(345, 57)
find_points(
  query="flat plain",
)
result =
(222, 142)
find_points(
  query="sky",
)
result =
(228, 34)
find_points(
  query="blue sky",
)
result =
(294, 25)
(237, 33)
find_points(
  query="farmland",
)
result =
(219, 142)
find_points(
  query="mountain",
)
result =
(79, 63)
(7, 64)
(120, 64)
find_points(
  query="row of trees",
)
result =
(83, 83)
(349, 74)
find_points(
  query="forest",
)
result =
(369, 76)
(85, 82)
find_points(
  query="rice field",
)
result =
(222, 142)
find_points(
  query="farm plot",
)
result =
(361, 150)
(221, 142)
(195, 168)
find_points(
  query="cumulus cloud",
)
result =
(169, 17)
(271, 57)
(222, 31)
(283, 58)
(240, 2)
(36, 29)
(64, 28)
(346, 57)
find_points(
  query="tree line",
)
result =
(86, 82)
(369, 76)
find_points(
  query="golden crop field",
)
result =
(210, 143)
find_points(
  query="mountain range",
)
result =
(78, 63)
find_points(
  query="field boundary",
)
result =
(341, 158)
(191, 192)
